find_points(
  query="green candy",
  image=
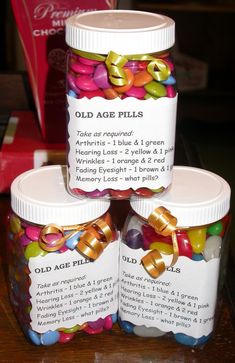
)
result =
(34, 250)
(155, 89)
(215, 229)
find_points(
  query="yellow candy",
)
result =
(34, 250)
(15, 224)
(197, 239)
(162, 248)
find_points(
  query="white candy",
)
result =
(212, 247)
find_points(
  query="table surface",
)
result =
(110, 346)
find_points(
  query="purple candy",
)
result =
(101, 77)
(24, 240)
(134, 239)
(132, 65)
(97, 193)
(71, 81)
(96, 324)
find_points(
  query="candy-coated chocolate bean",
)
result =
(142, 78)
(190, 341)
(110, 93)
(65, 337)
(197, 257)
(101, 78)
(169, 81)
(129, 82)
(142, 65)
(215, 229)
(86, 83)
(137, 92)
(143, 331)
(81, 68)
(126, 326)
(114, 318)
(132, 65)
(73, 329)
(34, 337)
(121, 194)
(24, 240)
(148, 96)
(164, 248)
(97, 193)
(71, 83)
(170, 91)
(144, 192)
(185, 248)
(33, 232)
(155, 89)
(88, 62)
(33, 250)
(50, 337)
(72, 94)
(134, 239)
(15, 224)
(197, 239)
(72, 241)
(99, 323)
(92, 94)
(108, 322)
(92, 331)
(212, 247)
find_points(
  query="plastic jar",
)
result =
(173, 259)
(122, 101)
(61, 259)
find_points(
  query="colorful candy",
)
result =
(23, 244)
(197, 244)
(114, 76)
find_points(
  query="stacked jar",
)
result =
(122, 100)
(173, 259)
(63, 259)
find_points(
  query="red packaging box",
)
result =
(23, 148)
(41, 26)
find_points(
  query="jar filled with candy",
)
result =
(173, 259)
(122, 101)
(63, 259)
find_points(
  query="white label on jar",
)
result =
(181, 300)
(67, 289)
(121, 144)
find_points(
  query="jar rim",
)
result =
(40, 196)
(196, 197)
(122, 31)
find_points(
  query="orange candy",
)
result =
(142, 78)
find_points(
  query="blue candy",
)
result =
(197, 257)
(34, 337)
(169, 81)
(72, 242)
(191, 341)
(126, 326)
(50, 337)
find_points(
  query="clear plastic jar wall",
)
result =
(122, 100)
(171, 283)
(59, 272)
